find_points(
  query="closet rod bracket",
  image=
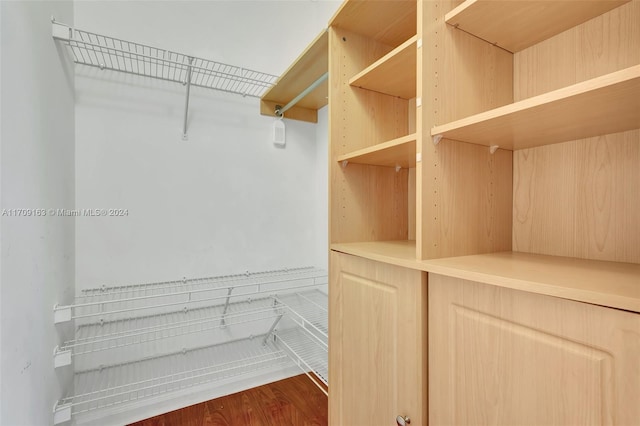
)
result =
(279, 111)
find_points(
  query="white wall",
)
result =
(227, 200)
(37, 169)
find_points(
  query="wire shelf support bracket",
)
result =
(109, 53)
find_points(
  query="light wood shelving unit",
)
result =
(600, 106)
(612, 284)
(490, 107)
(515, 26)
(305, 70)
(400, 152)
(394, 74)
(555, 86)
(373, 49)
(551, 214)
(389, 22)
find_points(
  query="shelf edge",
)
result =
(549, 98)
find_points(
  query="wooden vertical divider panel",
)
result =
(465, 199)
(413, 192)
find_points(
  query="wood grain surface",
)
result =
(294, 401)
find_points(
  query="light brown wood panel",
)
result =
(471, 75)
(398, 152)
(505, 357)
(612, 284)
(471, 199)
(418, 125)
(388, 21)
(377, 336)
(600, 46)
(394, 74)
(464, 202)
(412, 116)
(602, 105)
(411, 205)
(547, 66)
(413, 191)
(305, 70)
(608, 198)
(293, 401)
(579, 199)
(360, 118)
(516, 25)
(544, 207)
(369, 203)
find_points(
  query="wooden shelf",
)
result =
(394, 74)
(390, 22)
(603, 105)
(305, 70)
(516, 25)
(402, 253)
(398, 152)
(611, 284)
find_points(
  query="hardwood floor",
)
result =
(294, 401)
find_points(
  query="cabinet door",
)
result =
(505, 357)
(377, 343)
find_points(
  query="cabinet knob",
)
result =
(403, 420)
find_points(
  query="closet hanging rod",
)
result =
(281, 110)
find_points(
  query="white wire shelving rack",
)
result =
(110, 53)
(308, 353)
(131, 319)
(107, 386)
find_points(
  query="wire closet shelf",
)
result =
(141, 316)
(115, 54)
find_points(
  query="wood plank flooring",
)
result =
(294, 401)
